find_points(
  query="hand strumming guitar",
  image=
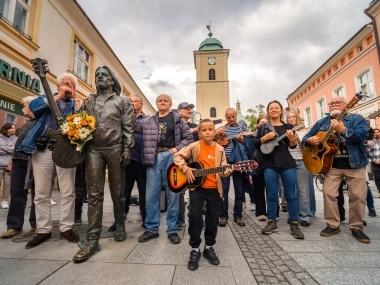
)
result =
(240, 138)
(267, 137)
(189, 175)
(337, 126)
(314, 140)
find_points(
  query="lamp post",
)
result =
(193, 117)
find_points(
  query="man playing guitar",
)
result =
(232, 128)
(349, 161)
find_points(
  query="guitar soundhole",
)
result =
(175, 177)
(320, 146)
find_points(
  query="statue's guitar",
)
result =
(64, 154)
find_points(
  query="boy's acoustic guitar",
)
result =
(177, 181)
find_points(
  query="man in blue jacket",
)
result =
(43, 166)
(350, 162)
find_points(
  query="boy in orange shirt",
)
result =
(210, 155)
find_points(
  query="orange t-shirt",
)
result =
(207, 158)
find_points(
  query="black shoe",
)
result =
(342, 218)
(87, 251)
(120, 234)
(284, 208)
(360, 236)
(37, 240)
(70, 236)
(112, 228)
(364, 223)
(371, 212)
(211, 256)
(329, 231)
(77, 220)
(193, 260)
(174, 238)
(147, 235)
(305, 223)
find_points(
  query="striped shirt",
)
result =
(374, 152)
(232, 131)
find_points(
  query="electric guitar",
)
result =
(177, 181)
(318, 158)
(269, 146)
(224, 139)
(64, 154)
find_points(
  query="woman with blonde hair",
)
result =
(304, 180)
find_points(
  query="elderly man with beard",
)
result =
(350, 162)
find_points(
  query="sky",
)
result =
(274, 45)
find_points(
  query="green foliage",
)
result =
(254, 114)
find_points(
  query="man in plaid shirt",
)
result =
(374, 158)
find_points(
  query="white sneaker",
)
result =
(253, 207)
(4, 205)
(52, 202)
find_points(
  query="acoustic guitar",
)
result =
(224, 139)
(269, 146)
(64, 154)
(318, 159)
(177, 181)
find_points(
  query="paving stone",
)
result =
(267, 272)
(295, 281)
(343, 276)
(317, 261)
(204, 275)
(289, 274)
(20, 272)
(302, 275)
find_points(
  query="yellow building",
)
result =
(212, 84)
(60, 32)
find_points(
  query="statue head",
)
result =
(104, 78)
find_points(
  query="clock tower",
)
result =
(212, 84)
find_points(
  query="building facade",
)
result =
(353, 68)
(212, 84)
(60, 32)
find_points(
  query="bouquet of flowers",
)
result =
(78, 128)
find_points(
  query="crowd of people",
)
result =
(139, 148)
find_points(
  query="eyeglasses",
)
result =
(336, 103)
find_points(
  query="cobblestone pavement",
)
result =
(268, 262)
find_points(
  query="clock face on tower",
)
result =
(211, 61)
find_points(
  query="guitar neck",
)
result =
(331, 130)
(203, 172)
(52, 103)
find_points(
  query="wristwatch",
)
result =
(343, 134)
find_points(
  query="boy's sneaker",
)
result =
(193, 260)
(271, 227)
(253, 207)
(329, 231)
(147, 235)
(295, 230)
(371, 212)
(360, 236)
(4, 205)
(222, 222)
(211, 256)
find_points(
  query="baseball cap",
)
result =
(184, 105)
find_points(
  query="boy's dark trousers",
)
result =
(213, 199)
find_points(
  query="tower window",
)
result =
(211, 74)
(212, 112)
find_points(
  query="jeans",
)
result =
(238, 180)
(313, 204)
(19, 197)
(288, 177)
(182, 209)
(303, 191)
(156, 177)
(197, 198)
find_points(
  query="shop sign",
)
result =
(19, 77)
(10, 106)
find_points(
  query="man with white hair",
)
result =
(164, 134)
(18, 168)
(350, 162)
(34, 144)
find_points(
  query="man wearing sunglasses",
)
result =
(350, 162)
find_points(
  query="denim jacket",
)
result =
(43, 115)
(356, 134)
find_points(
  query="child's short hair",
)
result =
(205, 121)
